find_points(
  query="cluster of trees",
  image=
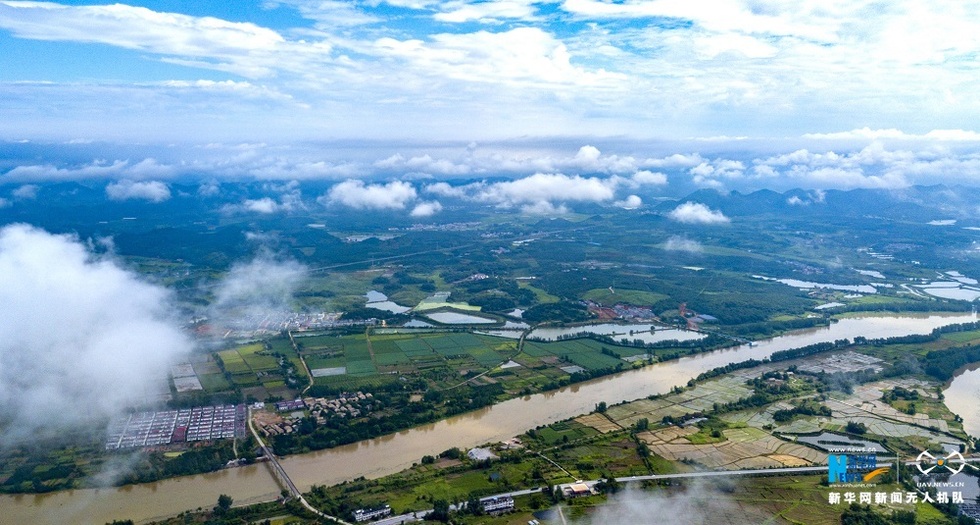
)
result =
(942, 364)
(900, 393)
(909, 306)
(808, 407)
(803, 351)
(769, 328)
(155, 466)
(398, 415)
(562, 311)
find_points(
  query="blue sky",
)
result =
(808, 74)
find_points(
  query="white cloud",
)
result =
(355, 194)
(426, 209)
(255, 289)
(207, 41)
(263, 205)
(81, 338)
(630, 203)
(682, 244)
(26, 192)
(98, 169)
(544, 187)
(487, 12)
(649, 177)
(424, 163)
(446, 190)
(949, 135)
(153, 191)
(695, 503)
(697, 213)
(290, 199)
(209, 188)
(524, 56)
(544, 208)
(5, 203)
(328, 14)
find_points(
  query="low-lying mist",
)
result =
(81, 338)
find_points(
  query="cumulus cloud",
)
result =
(425, 164)
(548, 187)
(356, 194)
(697, 213)
(445, 190)
(682, 244)
(290, 199)
(426, 209)
(81, 338)
(649, 177)
(630, 203)
(153, 191)
(256, 289)
(263, 205)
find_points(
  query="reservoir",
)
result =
(392, 453)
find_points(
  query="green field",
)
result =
(256, 361)
(233, 362)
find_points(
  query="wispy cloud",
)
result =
(254, 289)
(682, 244)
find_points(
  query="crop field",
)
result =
(256, 361)
(698, 399)
(250, 365)
(743, 448)
(963, 337)
(214, 382)
(457, 353)
(233, 362)
(586, 353)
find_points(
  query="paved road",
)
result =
(409, 518)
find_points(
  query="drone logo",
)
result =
(926, 462)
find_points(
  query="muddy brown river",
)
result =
(395, 452)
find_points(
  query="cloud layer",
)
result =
(495, 69)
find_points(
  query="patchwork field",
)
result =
(453, 356)
(743, 448)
